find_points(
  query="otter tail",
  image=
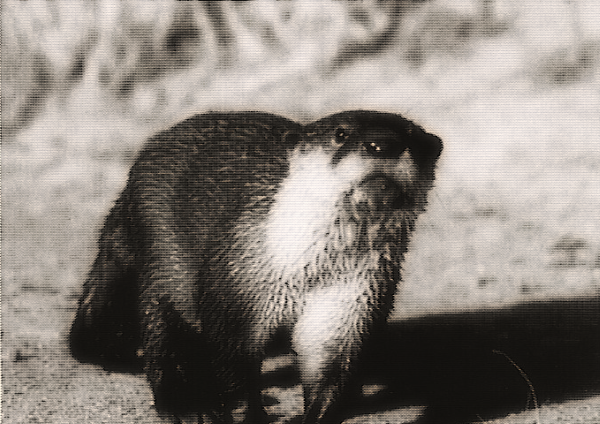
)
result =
(106, 328)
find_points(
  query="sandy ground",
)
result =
(499, 310)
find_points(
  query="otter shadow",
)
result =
(476, 365)
(470, 366)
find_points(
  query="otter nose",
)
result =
(378, 193)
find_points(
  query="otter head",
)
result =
(392, 158)
(357, 180)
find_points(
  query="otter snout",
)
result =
(378, 193)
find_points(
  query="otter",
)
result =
(234, 227)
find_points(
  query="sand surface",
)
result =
(500, 298)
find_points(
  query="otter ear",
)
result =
(426, 147)
(433, 143)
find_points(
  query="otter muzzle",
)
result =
(377, 194)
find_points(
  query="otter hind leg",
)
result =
(178, 364)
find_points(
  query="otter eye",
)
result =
(384, 148)
(341, 135)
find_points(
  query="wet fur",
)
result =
(233, 227)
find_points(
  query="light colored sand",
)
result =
(520, 170)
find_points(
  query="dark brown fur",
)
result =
(186, 286)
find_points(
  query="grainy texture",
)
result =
(235, 227)
(511, 87)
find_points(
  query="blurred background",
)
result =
(512, 87)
